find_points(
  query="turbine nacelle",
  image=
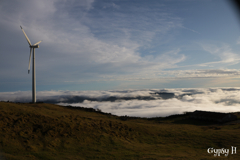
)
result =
(36, 46)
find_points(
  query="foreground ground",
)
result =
(47, 131)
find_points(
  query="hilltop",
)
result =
(48, 131)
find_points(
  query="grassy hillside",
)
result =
(47, 131)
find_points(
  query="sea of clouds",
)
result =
(140, 103)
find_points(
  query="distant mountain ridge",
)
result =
(80, 99)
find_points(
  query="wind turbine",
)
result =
(32, 47)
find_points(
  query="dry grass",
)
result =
(47, 131)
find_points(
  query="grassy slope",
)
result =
(47, 131)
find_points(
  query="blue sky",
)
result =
(116, 44)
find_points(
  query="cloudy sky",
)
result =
(116, 44)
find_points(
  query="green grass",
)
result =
(47, 131)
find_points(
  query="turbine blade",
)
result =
(26, 36)
(29, 60)
(37, 43)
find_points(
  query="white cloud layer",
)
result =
(141, 103)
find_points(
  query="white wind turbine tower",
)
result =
(33, 65)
